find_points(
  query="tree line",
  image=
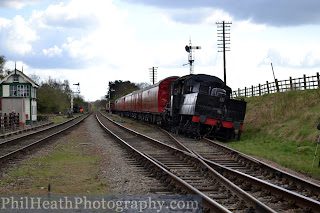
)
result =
(53, 95)
(120, 88)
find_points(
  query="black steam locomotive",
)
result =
(200, 105)
(195, 105)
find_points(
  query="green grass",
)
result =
(62, 118)
(282, 127)
(68, 169)
(59, 119)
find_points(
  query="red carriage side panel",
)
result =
(139, 107)
(120, 104)
(164, 93)
(128, 102)
(150, 99)
(136, 101)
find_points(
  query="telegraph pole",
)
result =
(224, 36)
(153, 74)
(273, 73)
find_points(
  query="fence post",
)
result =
(17, 119)
(291, 86)
(318, 78)
(2, 124)
(268, 87)
(245, 92)
(239, 92)
(277, 85)
(252, 93)
(305, 81)
(259, 89)
(6, 126)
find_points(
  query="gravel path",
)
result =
(115, 169)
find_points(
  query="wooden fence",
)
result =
(306, 82)
(8, 122)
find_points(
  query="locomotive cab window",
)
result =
(218, 92)
(203, 89)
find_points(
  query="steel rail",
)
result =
(295, 179)
(256, 204)
(303, 201)
(38, 142)
(208, 201)
(12, 140)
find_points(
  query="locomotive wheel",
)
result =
(229, 134)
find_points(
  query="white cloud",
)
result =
(53, 51)
(16, 35)
(93, 42)
(18, 4)
(75, 14)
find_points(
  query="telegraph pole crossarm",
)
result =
(224, 35)
(153, 74)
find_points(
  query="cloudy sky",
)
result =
(97, 41)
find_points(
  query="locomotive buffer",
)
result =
(190, 58)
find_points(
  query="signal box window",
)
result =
(13, 90)
(15, 78)
(19, 90)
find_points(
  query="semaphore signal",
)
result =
(189, 49)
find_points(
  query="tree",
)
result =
(53, 96)
(35, 78)
(143, 85)
(2, 63)
(120, 88)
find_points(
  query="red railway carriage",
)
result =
(156, 97)
(120, 104)
(146, 102)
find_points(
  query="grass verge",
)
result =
(282, 127)
(69, 169)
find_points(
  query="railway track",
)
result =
(276, 197)
(12, 148)
(233, 159)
